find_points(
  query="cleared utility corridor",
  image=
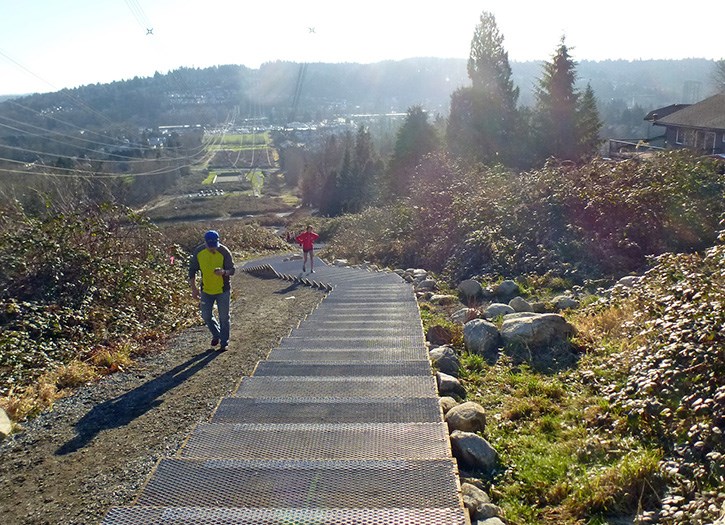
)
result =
(341, 424)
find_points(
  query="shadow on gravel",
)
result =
(127, 407)
(291, 288)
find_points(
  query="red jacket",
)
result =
(306, 239)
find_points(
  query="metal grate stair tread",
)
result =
(283, 516)
(349, 369)
(340, 410)
(319, 441)
(303, 484)
(334, 387)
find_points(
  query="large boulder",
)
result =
(468, 417)
(535, 330)
(481, 337)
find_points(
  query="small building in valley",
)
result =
(700, 126)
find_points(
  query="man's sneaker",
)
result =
(303, 269)
(312, 271)
(215, 341)
(223, 348)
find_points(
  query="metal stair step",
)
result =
(336, 387)
(349, 369)
(348, 441)
(282, 516)
(316, 410)
(303, 484)
(373, 355)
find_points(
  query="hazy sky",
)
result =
(46, 45)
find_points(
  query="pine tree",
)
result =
(366, 165)
(483, 118)
(589, 124)
(555, 122)
(415, 139)
(718, 76)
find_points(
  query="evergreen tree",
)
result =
(555, 122)
(589, 124)
(718, 76)
(483, 119)
(366, 166)
(415, 139)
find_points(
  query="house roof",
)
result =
(658, 113)
(706, 114)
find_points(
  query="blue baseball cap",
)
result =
(211, 238)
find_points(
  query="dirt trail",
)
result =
(97, 447)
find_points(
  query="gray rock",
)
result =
(535, 330)
(447, 402)
(564, 302)
(470, 288)
(6, 426)
(486, 511)
(489, 521)
(473, 451)
(445, 359)
(449, 385)
(426, 285)
(519, 304)
(473, 498)
(443, 299)
(481, 337)
(497, 309)
(468, 417)
(629, 281)
(507, 289)
(464, 315)
(538, 307)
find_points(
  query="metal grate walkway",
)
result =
(341, 424)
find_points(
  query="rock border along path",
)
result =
(341, 424)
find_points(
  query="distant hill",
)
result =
(280, 91)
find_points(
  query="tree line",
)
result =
(485, 125)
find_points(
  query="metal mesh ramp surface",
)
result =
(341, 424)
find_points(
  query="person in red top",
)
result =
(307, 239)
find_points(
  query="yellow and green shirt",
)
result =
(204, 261)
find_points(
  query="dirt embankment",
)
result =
(97, 447)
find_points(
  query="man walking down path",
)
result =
(307, 239)
(215, 262)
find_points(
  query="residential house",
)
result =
(699, 126)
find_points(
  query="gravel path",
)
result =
(97, 447)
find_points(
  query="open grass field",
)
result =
(237, 142)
